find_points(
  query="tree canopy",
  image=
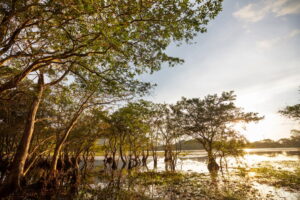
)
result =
(102, 38)
(211, 122)
(292, 112)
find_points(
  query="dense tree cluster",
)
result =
(211, 122)
(69, 88)
(63, 64)
(143, 127)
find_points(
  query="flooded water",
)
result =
(196, 160)
(278, 158)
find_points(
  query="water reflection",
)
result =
(270, 192)
(196, 161)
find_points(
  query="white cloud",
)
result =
(291, 7)
(255, 12)
(269, 43)
(249, 13)
(294, 33)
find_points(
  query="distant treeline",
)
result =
(293, 141)
(186, 145)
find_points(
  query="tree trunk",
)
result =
(155, 162)
(59, 145)
(32, 162)
(67, 131)
(145, 158)
(121, 155)
(154, 156)
(12, 83)
(130, 161)
(114, 164)
(17, 168)
(212, 165)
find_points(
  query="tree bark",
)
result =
(59, 145)
(121, 155)
(13, 82)
(212, 165)
(67, 131)
(17, 168)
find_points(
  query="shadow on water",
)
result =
(141, 184)
(99, 180)
(146, 183)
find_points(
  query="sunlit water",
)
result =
(279, 158)
(196, 160)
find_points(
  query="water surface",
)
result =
(278, 158)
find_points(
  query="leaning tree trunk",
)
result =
(17, 168)
(59, 145)
(122, 157)
(67, 131)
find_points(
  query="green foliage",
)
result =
(109, 193)
(191, 144)
(193, 186)
(132, 118)
(157, 178)
(280, 177)
(128, 128)
(292, 112)
(293, 141)
(211, 122)
(104, 39)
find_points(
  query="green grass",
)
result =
(194, 186)
(278, 177)
(158, 178)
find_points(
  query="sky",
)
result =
(253, 48)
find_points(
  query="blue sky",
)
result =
(253, 48)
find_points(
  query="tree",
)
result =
(293, 112)
(165, 132)
(211, 122)
(111, 90)
(128, 132)
(94, 36)
(17, 168)
(99, 46)
(13, 115)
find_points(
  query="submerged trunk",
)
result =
(169, 160)
(155, 162)
(114, 164)
(212, 165)
(121, 155)
(145, 158)
(59, 145)
(124, 160)
(17, 168)
(154, 155)
(173, 163)
(130, 160)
